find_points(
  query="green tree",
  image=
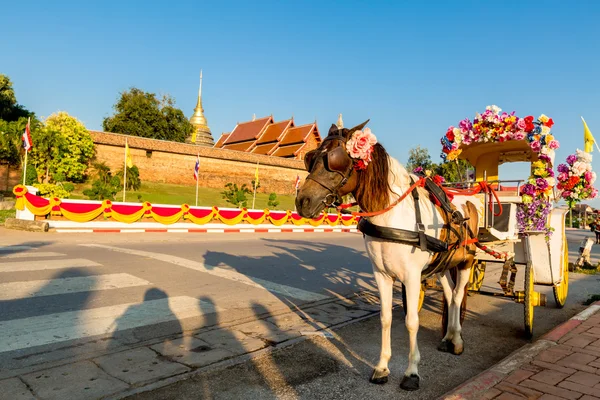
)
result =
(133, 178)
(10, 110)
(105, 186)
(236, 196)
(453, 171)
(418, 157)
(142, 114)
(47, 151)
(13, 119)
(273, 202)
(75, 148)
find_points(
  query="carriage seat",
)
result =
(501, 227)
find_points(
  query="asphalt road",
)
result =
(67, 297)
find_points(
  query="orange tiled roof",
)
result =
(248, 130)
(242, 146)
(288, 151)
(273, 131)
(297, 134)
(222, 139)
(264, 148)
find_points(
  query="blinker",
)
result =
(336, 160)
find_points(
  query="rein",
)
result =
(482, 187)
(419, 183)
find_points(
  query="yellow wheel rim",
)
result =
(528, 300)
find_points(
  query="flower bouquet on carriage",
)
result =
(575, 179)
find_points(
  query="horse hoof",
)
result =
(445, 346)
(379, 377)
(457, 350)
(410, 383)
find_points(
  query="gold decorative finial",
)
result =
(253, 117)
(201, 134)
(340, 122)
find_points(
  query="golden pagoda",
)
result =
(201, 135)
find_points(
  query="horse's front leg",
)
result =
(385, 284)
(410, 381)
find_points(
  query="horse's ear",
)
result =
(333, 130)
(356, 128)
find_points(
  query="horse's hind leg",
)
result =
(457, 299)
(410, 381)
(385, 284)
(448, 288)
(454, 294)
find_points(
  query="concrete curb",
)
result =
(208, 230)
(473, 388)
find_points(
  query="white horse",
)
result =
(381, 189)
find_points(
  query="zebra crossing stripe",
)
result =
(50, 287)
(41, 265)
(55, 328)
(222, 273)
(32, 254)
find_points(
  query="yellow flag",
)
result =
(128, 159)
(588, 139)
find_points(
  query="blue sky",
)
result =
(413, 68)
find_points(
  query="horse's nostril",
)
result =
(305, 202)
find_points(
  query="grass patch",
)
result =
(165, 193)
(6, 214)
(593, 298)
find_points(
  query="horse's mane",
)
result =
(373, 187)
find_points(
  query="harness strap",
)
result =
(401, 236)
(420, 226)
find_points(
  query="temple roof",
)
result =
(264, 148)
(297, 134)
(240, 146)
(265, 136)
(274, 131)
(222, 139)
(288, 151)
(248, 130)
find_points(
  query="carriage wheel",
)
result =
(463, 306)
(528, 300)
(477, 275)
(562, 288)
(421, 297)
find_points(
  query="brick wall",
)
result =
(170, 162)
(9, 177)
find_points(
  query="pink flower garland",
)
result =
(360, 146)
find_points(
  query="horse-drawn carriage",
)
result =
(518, 225)
(418, 231)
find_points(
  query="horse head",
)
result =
(332, 175)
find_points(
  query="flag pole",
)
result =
(26, 151)
(25, 167)
(197, 179)
(125, 171)
(255, 183)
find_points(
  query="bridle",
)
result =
(335, 160)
